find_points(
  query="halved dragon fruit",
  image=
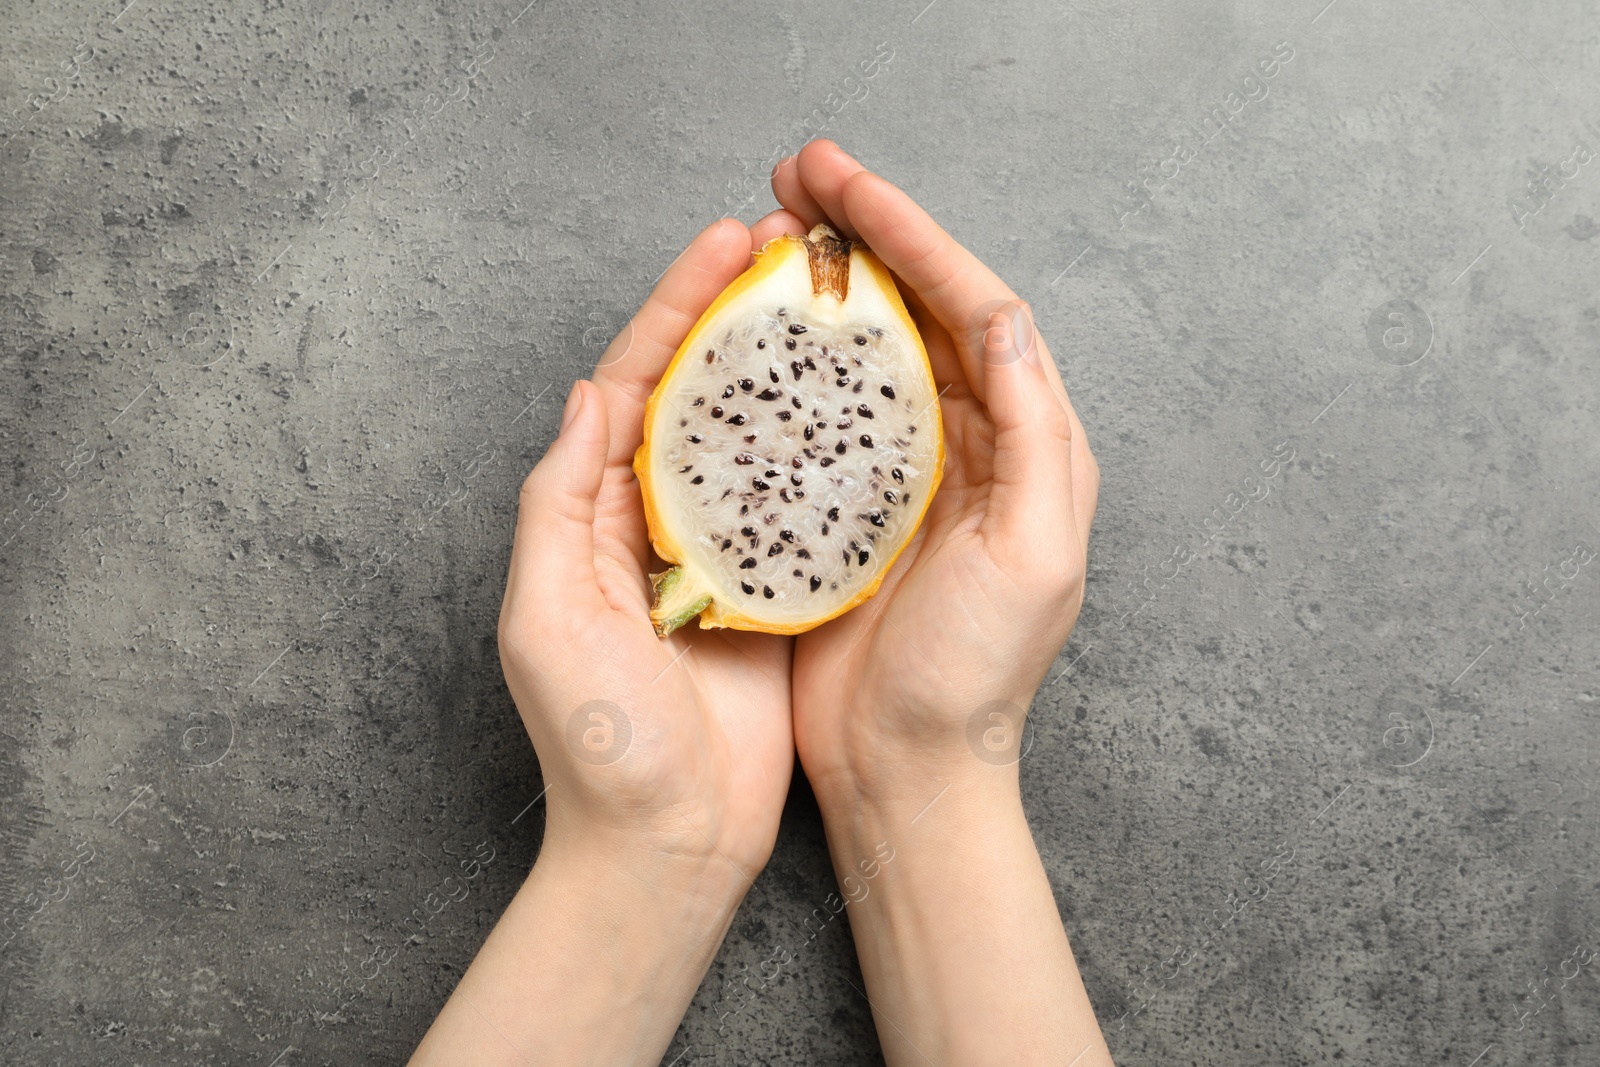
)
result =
(793, 444)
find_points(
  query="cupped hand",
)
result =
(941, 665)
(679, 746)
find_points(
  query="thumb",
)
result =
(1031, 499)
(554, 543)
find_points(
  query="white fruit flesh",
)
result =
(792, 451)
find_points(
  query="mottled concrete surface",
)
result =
(290, 305)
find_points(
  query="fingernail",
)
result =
(574, 405)
(784, 162)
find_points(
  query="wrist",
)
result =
(892, 765)
(961, 807)
(668, 840)
(620, 865)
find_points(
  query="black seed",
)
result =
(841, 446)
(842, 382)
(799, 494)
(789, 343)
(798, 573)
(809, 432)
(726, 544)
(889, 495)
(749, 438)
(748, 531)
(794, 479)
(866, 440)
(698, 401)
(860, 340)
(874, 331)
(747, 587)
(766, 591)
(783, 494)
(826, 461)
(861, 557)
(796, 401)
(694, 439)
(796, 328)
(816, 583)
(843, 424)
(782, 312)
(911, 429)
(803, 553)
(710, 355)
(864, 411)
(858, 385)
(767, 394)
(774, 550)
(888, 391)
(744, 459)
(846, 555)
(785, 416)
(683, 422)
(760, 343)
(727, 392)
(796, 369)
(736, 420)
(697, 479)
(686, 470)
(833, 513)
(760, 485)
(747, 563)
(787, 535)
(809, 454)
(772, 474)
(747, 384)
(894, 472)
(716, 412)
(811, 364)
(772, 372)
(744, 509)
(875, 517)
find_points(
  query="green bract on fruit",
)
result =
(793, 444)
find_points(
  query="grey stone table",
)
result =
(293, 292)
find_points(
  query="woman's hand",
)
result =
(666, 762)
(679, 746)
(949, 652)
(922, 690)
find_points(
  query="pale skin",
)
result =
(668, 760)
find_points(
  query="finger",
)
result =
(791, 192)
(776, 224)
(942, 358)
(552, 553)
(1032, 489)
(825, 168)
(636, 358)
(952, 282)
